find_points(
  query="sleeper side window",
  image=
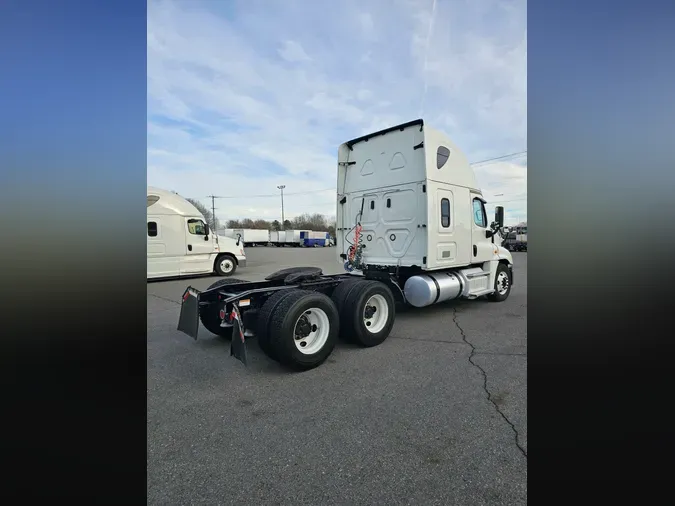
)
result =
(196, 227)
(152, 229)
(445, 213)
(442, 155)
(479, 215)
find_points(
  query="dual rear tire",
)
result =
(367, 311)
(300, 328)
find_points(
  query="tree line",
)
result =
(317, 222)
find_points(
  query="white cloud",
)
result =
(245, 95)
(292, 51)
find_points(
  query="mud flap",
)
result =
(188, 322)
(238, 343)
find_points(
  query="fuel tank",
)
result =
(427, 289)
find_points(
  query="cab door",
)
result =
(198, 248)
(482, 249)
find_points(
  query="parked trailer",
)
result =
(316, 239)
(295, 237)
(255, 237)
(411, 228)
(234, 233)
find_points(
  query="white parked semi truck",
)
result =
(180, 242)
(411, 229)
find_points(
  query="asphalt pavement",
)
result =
(437, 414)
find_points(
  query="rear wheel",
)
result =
(367, 312)
(225, 265)
(303, 329)
(210, 315)
(264, 319)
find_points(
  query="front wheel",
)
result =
(502, 284)
(226, 265)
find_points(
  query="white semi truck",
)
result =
(180, 242)
(411, 229)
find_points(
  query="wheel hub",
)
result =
(502, 282)
(304, 328)
(311, 331)
(375, 313)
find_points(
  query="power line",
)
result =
(519, 153)
(275, 194)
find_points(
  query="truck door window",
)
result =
(152, 229)
(479, 215)
(445, 213)
(196, 227)
(442, 155)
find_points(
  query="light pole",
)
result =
(281, 187)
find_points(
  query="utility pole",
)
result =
(281, 187)
(213, 209)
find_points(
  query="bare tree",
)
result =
(206, 212)
(317, 222)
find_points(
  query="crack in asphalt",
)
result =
(487, 391)
(445, 341)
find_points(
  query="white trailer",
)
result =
(411, 228)
(180, 242)
(255, 237)
(295, 237)
(277, 238)
(228, 232)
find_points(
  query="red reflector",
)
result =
(222, 314)
(185, 296)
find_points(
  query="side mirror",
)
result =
(499, 216)
(238, 239)
(206, 229)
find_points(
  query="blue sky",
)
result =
(246, 95)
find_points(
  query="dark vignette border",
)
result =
(73, 159)
(601, 123)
